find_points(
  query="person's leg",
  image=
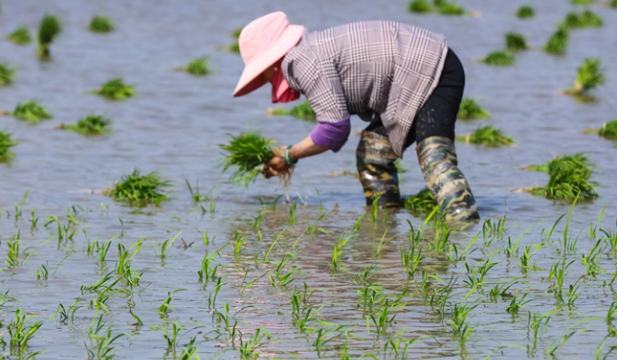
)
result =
(375, 162)
(433, 129)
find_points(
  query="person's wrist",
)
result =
(288, 158)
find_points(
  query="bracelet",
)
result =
(288, 157)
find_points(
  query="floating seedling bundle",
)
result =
(558, 42)
(569, 178)
(7, 74)
(31, 111)
(421, 203)
(420, 6)
(140, 190)
(589, 76)
(302, 111)
(101, 25)
(116, 89)
(89, 125)
(21, 36)
(585, 19)
(199, 66)
(6, 143)
(48, 30)
(440, 6)
(487, 136)
(470, 109)
(499, 58)
(609, 130)
(515, 42)
(525, 12)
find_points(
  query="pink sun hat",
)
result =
(262, 43)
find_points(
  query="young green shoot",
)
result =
(21, 333)
(609, 130)
(6, 143)
(585, 19)
(419, 6)
(445, 7)
(115, 89)
(525, 12)
(487, 136)
(515, 42)
(101, 24)
(49, 29)
(199, 67)
(140, 190)
(499, 58)
(421, 203)
(31, 111)
(302, 111)
(21, 36)
(7, 74)
(589, 76)
(558, 42)
(470, 109)
(90, 125)
(246, 153)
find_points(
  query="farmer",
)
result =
(403, 80)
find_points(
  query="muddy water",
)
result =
(174, 124)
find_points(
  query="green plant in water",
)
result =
(499, 58)
(20, 333)
(609, 130)
(525, 12)
(48, 30)
(613, 4)
(116, 89)
(515, 42)
(558, 42)
(470, 109)
(21, 36)
(246, 152)
(589, 76)
(140, 190)
(101, 24)
(235, 47)
(569, 178)
(302, 111)
(585, 19)
(487, 136)
(199, 66)
(419, 6)
(7, 74)
(6, 143)
(421, 203)
(31, 111)
(90, 125)
(448, 8)
(582, 2)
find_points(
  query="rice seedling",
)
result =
(585, 19)
(49, 29)
(6, 143)
(525, 12)
(31, 111)
(199, 66)
(115, 89)
(101, 24)
(445, 7)
(569, 179)
(589, 76)
(249, 349)
(140, 190)
(20, 36)
(104, 342)
(20, 333)
(7, 74)
(68, 313)
(12, 256)
(246, 152)
(487, 136)
(499, 58)
(515, 42)
(582, 2)
(42, 274)
(419, 6)
(337, 253)
(592, 260)
(476, 274)
(613, 4)
(470, 109)
(421, 203)
(609, 130)
(302, 111)
(382, 318)
(411, 260)
(558, 42)
(90, 125)
(459, 322)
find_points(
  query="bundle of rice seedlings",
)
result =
(589, 76)
(585, 19)
(525, 12)
(7, 74)
(90, 125)
(609, 130)
(31, 111)
(582, 2)
(48, 30)
(101, 24)
(421, 203)
(569, 178)
(558, 42)
(235, 47)
(302, 111)
(6, 143)
(247, 153)
(499, 58)
(470, 109)
(140, 190)
(447, 8)
(199, 66)
(487, 136)
(515, 42)
(20, 36)
(419, 6)
(116, 89)
(613, 4)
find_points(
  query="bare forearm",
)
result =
(305, 148)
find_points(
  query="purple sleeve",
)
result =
(332, 135)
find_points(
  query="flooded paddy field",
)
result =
(233, 273)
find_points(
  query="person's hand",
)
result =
(277, 164)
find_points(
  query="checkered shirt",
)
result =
(371, 68)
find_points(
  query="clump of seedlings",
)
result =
(247, 152)
(499, 58)
(525, 12)
(609, 130)
(7, 74)
(515, 42)
(585, 19)
(487, 136)
(613, 4)
(31, 111)
(558, 42)
(199, 66)
(448, 8)
(420, 6)
(89, 125)
(470, 109)
(48, 30)
(140, 190)
(235, 47)
(569, 178)
(421, 203)
(116, 89)
(582, 2)
(589, 76)
(101, 24)
(21, 36)
(6, 143)
(302, 111)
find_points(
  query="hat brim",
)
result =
(251, 75)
